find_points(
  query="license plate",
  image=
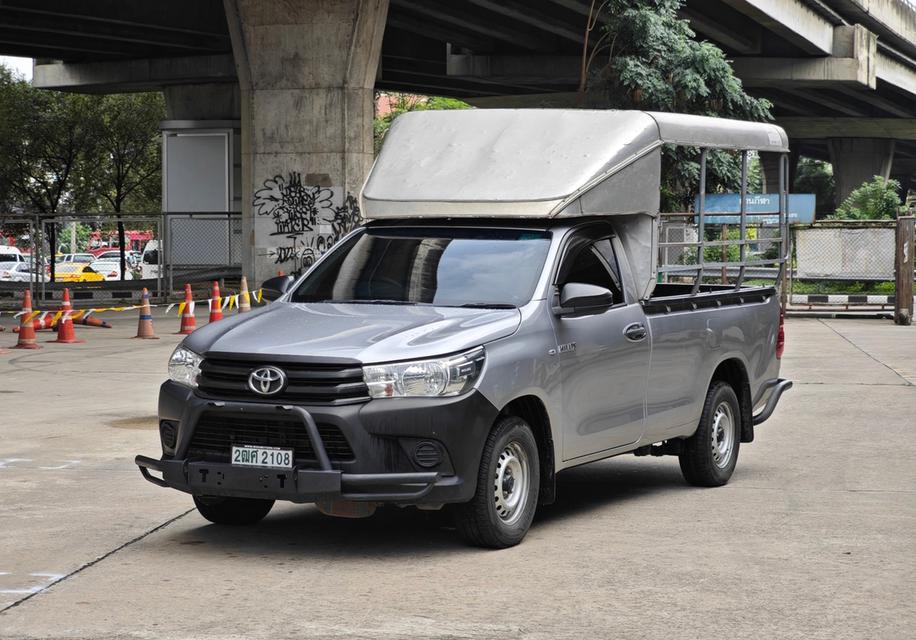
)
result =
(250, 456)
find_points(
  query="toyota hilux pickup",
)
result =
(502, 316)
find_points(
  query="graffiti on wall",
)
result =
(306, 220)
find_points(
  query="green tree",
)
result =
(46, 134)
(646, 57)
(875, 199)
(402, 103)
(124, 168)
(816, 176)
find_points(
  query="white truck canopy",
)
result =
(535, 162)
(545, 163)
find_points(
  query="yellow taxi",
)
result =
(76, 272)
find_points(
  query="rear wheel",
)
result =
(503, 506)
(710, 455)
(233, 511)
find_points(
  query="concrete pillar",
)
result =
(856, 160)
(307, 71)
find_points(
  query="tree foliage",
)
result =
(65, 152)
(816, 176)
(646, 57)
(875, 199)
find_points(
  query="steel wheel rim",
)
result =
(511, 483)
(723, 435)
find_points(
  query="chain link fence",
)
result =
(843, 262)
(113, 257)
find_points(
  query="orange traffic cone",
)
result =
(65, 332)
(46, 321)
(280, 273)
(216, 304)
(188, 321)
(90, 321)
(145, 324)
(244, 296)
(26, 328)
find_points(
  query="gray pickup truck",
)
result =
(503, 317)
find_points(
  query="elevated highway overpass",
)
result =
(299, 76)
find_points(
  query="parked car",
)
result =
(467, 360)
(86, 258)
(24, 272)
(7, 267)
(111, 270)
(76, 272)
(10, 254)
(150, 260)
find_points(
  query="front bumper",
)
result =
(381, 434)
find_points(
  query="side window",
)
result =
(590, 265)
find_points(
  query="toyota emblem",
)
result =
(267, 381)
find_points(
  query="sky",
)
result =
(22, 66)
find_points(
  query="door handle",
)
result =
(635, 332)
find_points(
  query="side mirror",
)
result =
(275, 287)
(578, 297)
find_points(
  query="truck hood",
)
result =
(363, 332)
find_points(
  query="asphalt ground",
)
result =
(814, 537)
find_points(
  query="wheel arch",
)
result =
(734, 372)
(532, 410)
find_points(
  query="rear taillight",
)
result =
(781, 336)
(113, 274)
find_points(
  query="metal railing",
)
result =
(693, 249)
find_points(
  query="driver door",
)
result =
(604, 362)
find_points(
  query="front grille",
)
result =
(215, 434)
(308, 383)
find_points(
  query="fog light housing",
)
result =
(168, 434)
(427, 454)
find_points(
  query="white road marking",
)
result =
(5, 462)
(68, 464)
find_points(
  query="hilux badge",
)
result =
(267, 381)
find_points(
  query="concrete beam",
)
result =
(562, 70)
(893, 20)
(743, 41)
(820, 128)
(537, 19)
(896, 73)
(791, 19)
(872, 98)
(853, 62)
(450, 14)
(845, 107)
(133, 75)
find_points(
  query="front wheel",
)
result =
(500, 513)
(710, 455)
(233, 511)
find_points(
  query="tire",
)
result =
(500, 513)
(711, 453)
(232, 511)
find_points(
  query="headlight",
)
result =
(449, 376)
(184, 366)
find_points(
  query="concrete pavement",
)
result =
(813, 538)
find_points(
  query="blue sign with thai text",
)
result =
(724, 208)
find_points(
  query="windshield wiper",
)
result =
(487, 305)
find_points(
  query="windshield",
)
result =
(431, 265)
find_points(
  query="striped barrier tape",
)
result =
(229, 301)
